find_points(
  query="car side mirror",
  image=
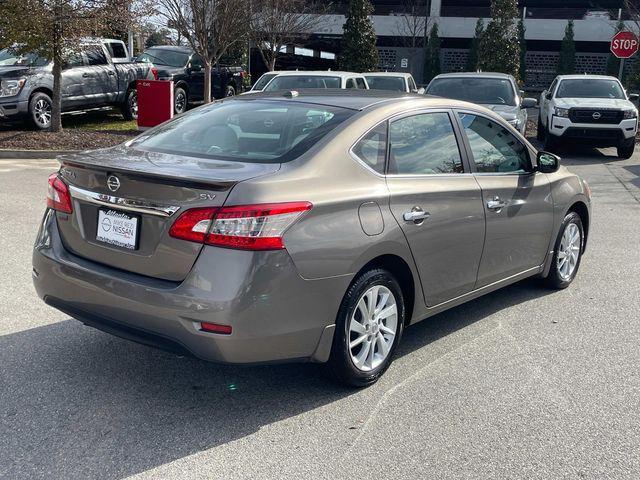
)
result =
(547, 95)
(548, 162)
(420, 91)
(529, 103)
(634, 97)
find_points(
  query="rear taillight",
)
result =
(246, 227)
(58, 196)
(154, 72)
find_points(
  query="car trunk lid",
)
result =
(141, 194)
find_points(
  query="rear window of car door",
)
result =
(424, 144)
(494, 148)
(372, 148)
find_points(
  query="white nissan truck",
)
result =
(593, 109)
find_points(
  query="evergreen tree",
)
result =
(359, 53)
(499, 48)
(432, 57)
(613, 62)
(567, 60)
(472, 59)
(523, 50)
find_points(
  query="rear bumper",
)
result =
(275, 314)
(610, 134)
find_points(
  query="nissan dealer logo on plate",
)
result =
(113, 183)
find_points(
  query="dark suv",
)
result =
(186, 69)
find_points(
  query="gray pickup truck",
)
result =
(90, 80)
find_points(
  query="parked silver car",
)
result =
(496, 91)
(304, 227)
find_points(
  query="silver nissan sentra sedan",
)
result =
(307, 226)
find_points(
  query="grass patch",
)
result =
(105, 121)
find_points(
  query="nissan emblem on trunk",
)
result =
(113, 183)
(596, 115)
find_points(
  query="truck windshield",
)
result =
(488, 91)
(386, 83)
(11, 59)
(161, 56)
(296, 82)
(589, 88)
(245, 131)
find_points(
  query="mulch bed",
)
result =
(69, 139)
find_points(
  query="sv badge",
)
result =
(207, 196)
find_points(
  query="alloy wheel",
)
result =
(372, 328)
(42, 112)
(133, 106)
(181, 102)
(569, 251)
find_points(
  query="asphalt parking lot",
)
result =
(525, 383)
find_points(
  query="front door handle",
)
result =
(496, 204)
(416, 215)
(86, 75)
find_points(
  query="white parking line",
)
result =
(13, 165)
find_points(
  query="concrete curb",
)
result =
(33, 154)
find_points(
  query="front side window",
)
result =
(494, 148)
(351, 83)
(245, 131)
(424, 144)
(360, 83)
(372, 148)
(95, 56)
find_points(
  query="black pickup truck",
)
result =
(185, 68)
(90, 80)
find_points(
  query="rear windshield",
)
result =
(488, 91)
(291, 82)
(589, 88)
(386, 83)
(258, 131)
(160, 56)
(263, 80)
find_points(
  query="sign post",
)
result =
(624, 44)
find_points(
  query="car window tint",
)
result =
(246, 131)
(372, 148)
(360, 83)
(351, 83)
(116, 50)
(424, 144)
(494, 148)
(95, 56)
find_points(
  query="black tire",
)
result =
(340, 364)
(555, 279)
(40, 111)
(540, 129)
(626, 148)
(230, 91)
(180, 100)
(130, 105)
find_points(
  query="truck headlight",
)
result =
(10, 88)
(631, 113)
(561, 112)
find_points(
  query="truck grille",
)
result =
(586, 115)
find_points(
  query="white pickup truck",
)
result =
(593, 109)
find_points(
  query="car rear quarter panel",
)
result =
(329, 241)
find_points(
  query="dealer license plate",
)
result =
(117, 228)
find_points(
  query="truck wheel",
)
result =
(626, 148)
(40, 108)
(540, 129)
(230, 91)
(130, 106)
(180, 100)
(368, 329)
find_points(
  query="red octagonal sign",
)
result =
(624, 44)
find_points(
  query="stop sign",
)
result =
(624, 44)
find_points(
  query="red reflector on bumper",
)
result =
(215, 328)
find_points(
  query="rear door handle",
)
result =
(496, 204)
(416, 215)
(112, 73)
(86, 75)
